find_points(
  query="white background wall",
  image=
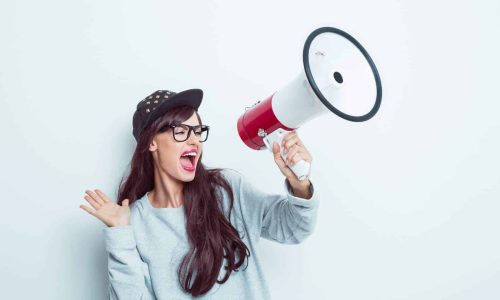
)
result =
(410, 199)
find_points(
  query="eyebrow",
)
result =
(190, 125)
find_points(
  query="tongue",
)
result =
(186, 162)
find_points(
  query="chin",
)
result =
(189, 179)
(186, 176)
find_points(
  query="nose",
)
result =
(192, 139)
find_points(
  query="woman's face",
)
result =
(171, 156)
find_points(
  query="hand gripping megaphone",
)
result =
(339, 76)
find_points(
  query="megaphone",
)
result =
(339, 76)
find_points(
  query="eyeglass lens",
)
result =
(181, 133)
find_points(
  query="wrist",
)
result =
(301, 189)
(118, 224)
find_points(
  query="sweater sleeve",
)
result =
(128, 274)
(283, 218)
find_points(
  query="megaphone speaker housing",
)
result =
(339, 76)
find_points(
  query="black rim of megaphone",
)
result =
(315, 88)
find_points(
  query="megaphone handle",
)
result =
(301, 168)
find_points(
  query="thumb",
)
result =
(276, 150)
(125, 202)
(277, 154)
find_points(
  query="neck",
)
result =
(168, 191)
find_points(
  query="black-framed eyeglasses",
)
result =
(181, 132)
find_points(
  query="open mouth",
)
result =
(188, 161)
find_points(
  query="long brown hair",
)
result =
(211, 235)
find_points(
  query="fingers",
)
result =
(276, 152)
(277, 156)
(95, 197)
(296, 158)
(92, 202)
(294, 155)
(103, 196)
(279, 160)
(291, 143)
(88, 209)
(295, 150)
(291, 139)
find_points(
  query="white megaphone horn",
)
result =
(339, 76)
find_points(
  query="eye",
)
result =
(180, 130)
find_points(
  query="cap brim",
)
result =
(190, 97)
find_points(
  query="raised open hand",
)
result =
(109, 212)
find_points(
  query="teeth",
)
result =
(190, 154)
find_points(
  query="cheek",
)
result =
(169, 156)
(171, 160)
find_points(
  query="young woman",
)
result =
(181, 230)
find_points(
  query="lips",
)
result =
(189, 151)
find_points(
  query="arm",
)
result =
(299, 208)
(289, 220)
(284, 218)
(128, 274)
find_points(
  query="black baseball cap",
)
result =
(158, 103)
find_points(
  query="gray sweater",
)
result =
(143, 257)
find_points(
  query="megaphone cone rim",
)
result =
(312, 82)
